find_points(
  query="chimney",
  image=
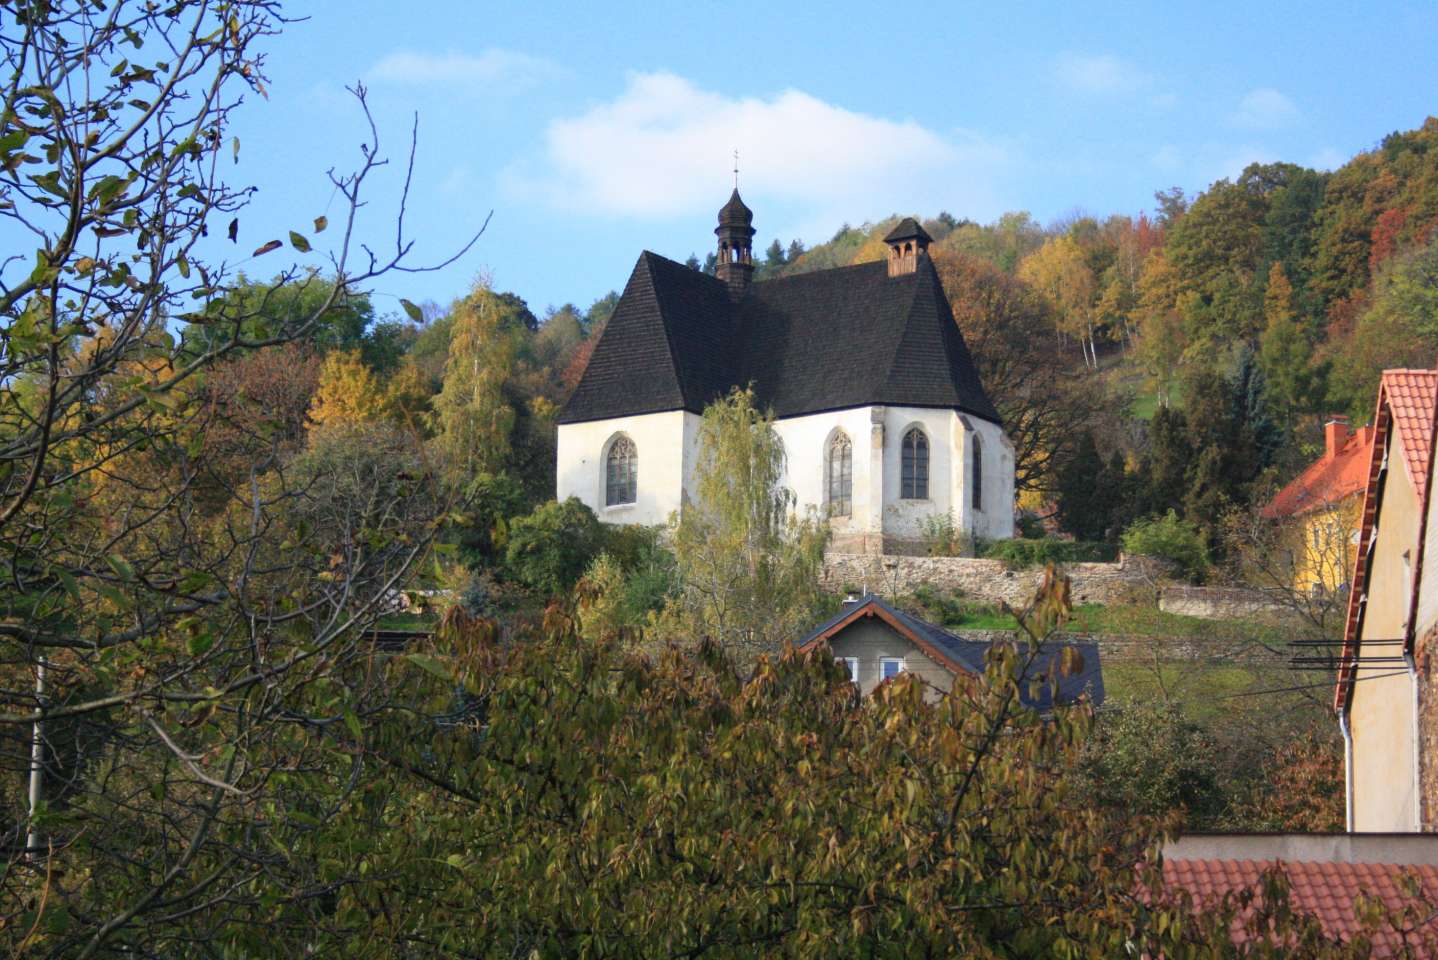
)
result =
(1335, 434)
(907, 242)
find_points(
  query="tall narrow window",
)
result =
(914, 479)
(621, 473)
(841, 476)
(977, 481)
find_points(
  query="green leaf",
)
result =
(299, 242)
(410, 308)
(121, 566)
(353, 723)
(429, 665)
(235, 149)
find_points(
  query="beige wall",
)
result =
(1381, 712)
(872, 640)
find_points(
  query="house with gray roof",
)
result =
(877, 401)
(877, 641)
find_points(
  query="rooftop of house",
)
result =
(1327, 872)
(852, 336)
(1407, 405)
(958, 655)
(1341, 473)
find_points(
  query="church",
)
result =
(884, 422)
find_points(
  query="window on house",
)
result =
(851, 664)
(977, 479)
(841, 476)
(914, 479)
(890, 667)
(621, 473)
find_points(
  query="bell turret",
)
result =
(736, 246)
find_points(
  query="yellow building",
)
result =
(1385, 681)
(1323, 506)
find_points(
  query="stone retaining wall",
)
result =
(991, 581)
(1219, 603)
(1121, 647)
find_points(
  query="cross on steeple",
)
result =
(736, 169)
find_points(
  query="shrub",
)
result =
(550, 548)
(944, 537)
(1170, 538)
(1018, 553)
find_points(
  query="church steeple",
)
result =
(736, 245)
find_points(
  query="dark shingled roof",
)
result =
(970, 656)
(848, 337)
(908, 229)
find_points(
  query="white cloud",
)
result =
(663, 148)
(1265, 109)
(1099, 75)
(490, 71)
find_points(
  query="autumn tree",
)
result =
(1061, 273)
(1007, 326)
(1285, 355)
(172, 616)
(747, 565)
(347, 390)
(472, 418)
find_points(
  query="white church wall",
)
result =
(905, 518)
(806, 442)
(995, 519)
(664, 442)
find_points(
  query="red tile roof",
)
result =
(1411, 396)
(1407, 400)
(1325, 889)
(1328, 480)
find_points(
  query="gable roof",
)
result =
(827, 340)
(1327, 480)
(1407, 402)
(958, 655)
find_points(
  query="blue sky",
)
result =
(593, 131)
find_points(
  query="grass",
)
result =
(407, 621)
(1206, 690)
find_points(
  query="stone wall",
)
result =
(1219, 603)
(991, 581)
(1125, 647)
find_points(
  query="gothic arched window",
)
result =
(977, 477)
(914, 480)
(841, 476)
(621, 473)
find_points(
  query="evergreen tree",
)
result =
(796, 250)
(1086, 500)
(774, 255)
(692, 263)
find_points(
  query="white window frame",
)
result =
(884, 662)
